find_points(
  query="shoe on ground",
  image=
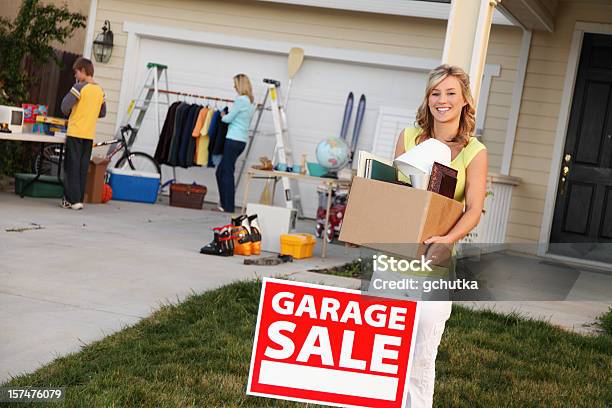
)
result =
(65, 204)
(77, 206)
(218, 246)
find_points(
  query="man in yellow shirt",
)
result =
(85, 103)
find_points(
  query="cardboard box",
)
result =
(394, 218)
(32, 110)
(96, 174)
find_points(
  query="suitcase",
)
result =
(187, 195)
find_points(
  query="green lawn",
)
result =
(196, 354)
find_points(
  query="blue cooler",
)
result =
(134, 185)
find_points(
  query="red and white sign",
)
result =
(331, 346)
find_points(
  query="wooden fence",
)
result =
(52, 82)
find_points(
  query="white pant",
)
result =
(433, 317)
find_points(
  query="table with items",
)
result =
(330, 184)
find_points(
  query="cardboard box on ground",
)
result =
(393, 217)
(94, 188)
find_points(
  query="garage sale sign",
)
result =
(331, 346)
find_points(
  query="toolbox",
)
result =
(187, 195)
(297, 245)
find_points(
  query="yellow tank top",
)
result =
(459, 163)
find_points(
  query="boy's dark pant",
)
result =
(76, 163)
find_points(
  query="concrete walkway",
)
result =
(87, 274)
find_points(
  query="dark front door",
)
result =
(582, 223)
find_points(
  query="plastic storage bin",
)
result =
(133, 185)
(44, 187)
(297, 245)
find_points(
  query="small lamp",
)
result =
(103, 44)
(417, 162)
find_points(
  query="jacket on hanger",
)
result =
(179, 122)
(165, 136)
(186, 142)
(201, 154)
(221, 135)
(212, 135)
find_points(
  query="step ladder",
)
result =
(282, 150)
(149, 94)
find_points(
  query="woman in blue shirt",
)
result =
(238, 119)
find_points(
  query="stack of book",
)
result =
(375, 167)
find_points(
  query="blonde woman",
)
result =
(446, 114)
(238, 119)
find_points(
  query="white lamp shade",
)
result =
(420, 159)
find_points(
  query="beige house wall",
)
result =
(415, 37)
(539, 113)
(10, 8)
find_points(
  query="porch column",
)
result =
(467, 38)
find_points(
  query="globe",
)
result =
(332, 153)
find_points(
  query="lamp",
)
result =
(103, 44)
(417, 162)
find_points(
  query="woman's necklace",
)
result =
(454, 146)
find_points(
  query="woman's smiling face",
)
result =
(446, 100)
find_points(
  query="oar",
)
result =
(296, 58)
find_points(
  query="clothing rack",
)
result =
(211, 98)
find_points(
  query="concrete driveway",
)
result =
(70, 278)
(86, 274)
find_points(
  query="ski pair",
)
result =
(241, 237)
(348, 110)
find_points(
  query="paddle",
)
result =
(296, 58)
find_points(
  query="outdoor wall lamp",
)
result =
(103, 44)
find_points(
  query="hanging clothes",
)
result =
(192, 135)
(221, 134)
(197, 129)
(201, 155)
(165, 136)
(186, 141)
(179, 122)
(212, 134)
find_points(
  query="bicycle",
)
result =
(49, 157)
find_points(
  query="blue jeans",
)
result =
(225, 173)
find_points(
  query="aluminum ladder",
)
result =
(148, 94)
(282, 150)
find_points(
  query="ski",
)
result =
(358, 121)
(348, 110)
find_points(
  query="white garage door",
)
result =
(315, 109)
